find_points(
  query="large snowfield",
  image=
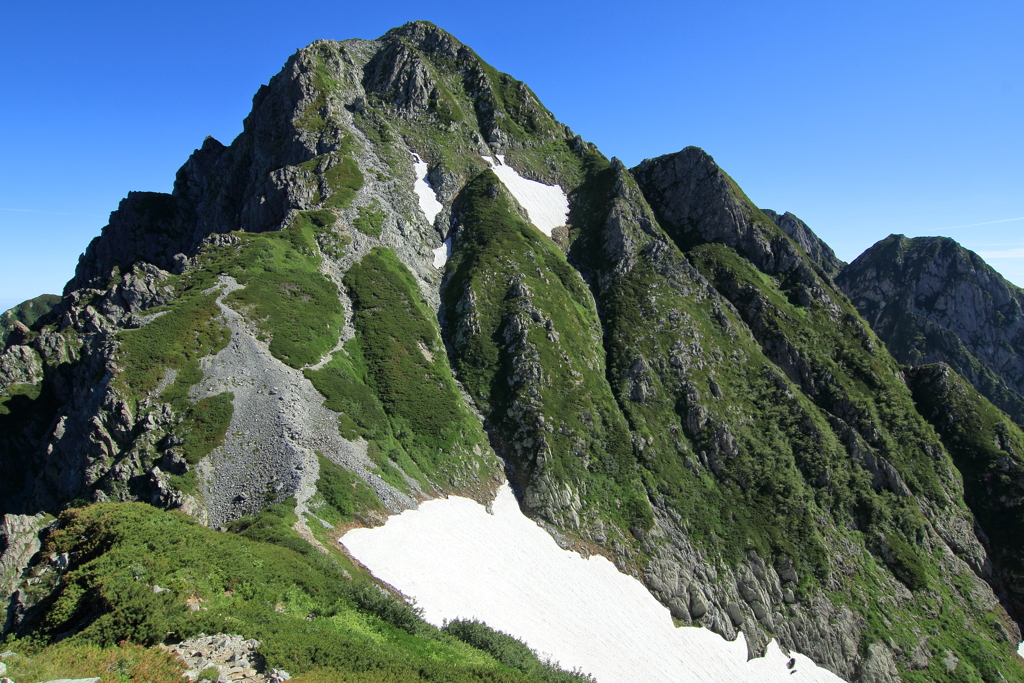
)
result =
(458, 561)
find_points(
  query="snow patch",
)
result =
(428, 200)
(443, 253)
(547, 205)
(458, 561)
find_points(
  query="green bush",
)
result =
(510, 651)
(294, 304)
(344, 179)
(370, 220)
(188, 330)
(260, 580)
(344, 490)
(347, 393)
(406, 364)
(205, 425)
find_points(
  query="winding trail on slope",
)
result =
(278, 425)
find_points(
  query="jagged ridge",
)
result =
(683, 389)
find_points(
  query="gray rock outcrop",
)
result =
(820, 253)
(932, 301)
(233, 657)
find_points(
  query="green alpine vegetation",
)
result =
(406, 366)
(787, 397)
(174, 341)
(26, 313)
(526, 345)
(656, 329)
(317, 616)
(673, 380)
(296, 305)
(344, 495)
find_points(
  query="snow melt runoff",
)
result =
(458, 561)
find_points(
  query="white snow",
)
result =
(547, 204)
(443, 253)
(457, 561)
(428, 200)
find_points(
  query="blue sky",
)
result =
(863, 118)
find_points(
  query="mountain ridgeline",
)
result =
(933, 301)
(690, 385)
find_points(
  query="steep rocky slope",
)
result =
(360, 289)
(25, 314)
(987, 448)
(933, 301)
(820, 253)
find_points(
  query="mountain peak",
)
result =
(931, 300)
(427, 37)
(406, 279)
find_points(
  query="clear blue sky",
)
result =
(863, 118)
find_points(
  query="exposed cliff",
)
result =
(988, 449)
(932, 301)
(820, 253)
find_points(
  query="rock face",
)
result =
(147, 226)
(231, 656)
(19, 538)
(820, 253)
(932, 301)
(988, 449)
(672, 379)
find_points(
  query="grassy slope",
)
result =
(853, 377)
(791, 491)
(314, 614)
(865, 388)
(494, 250)
(656, 312)
(27, 312)
(393, 384)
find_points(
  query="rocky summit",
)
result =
(406, 279)
(932, 301)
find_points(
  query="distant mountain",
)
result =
(406, 279)
(933, 301)
(26, 313)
